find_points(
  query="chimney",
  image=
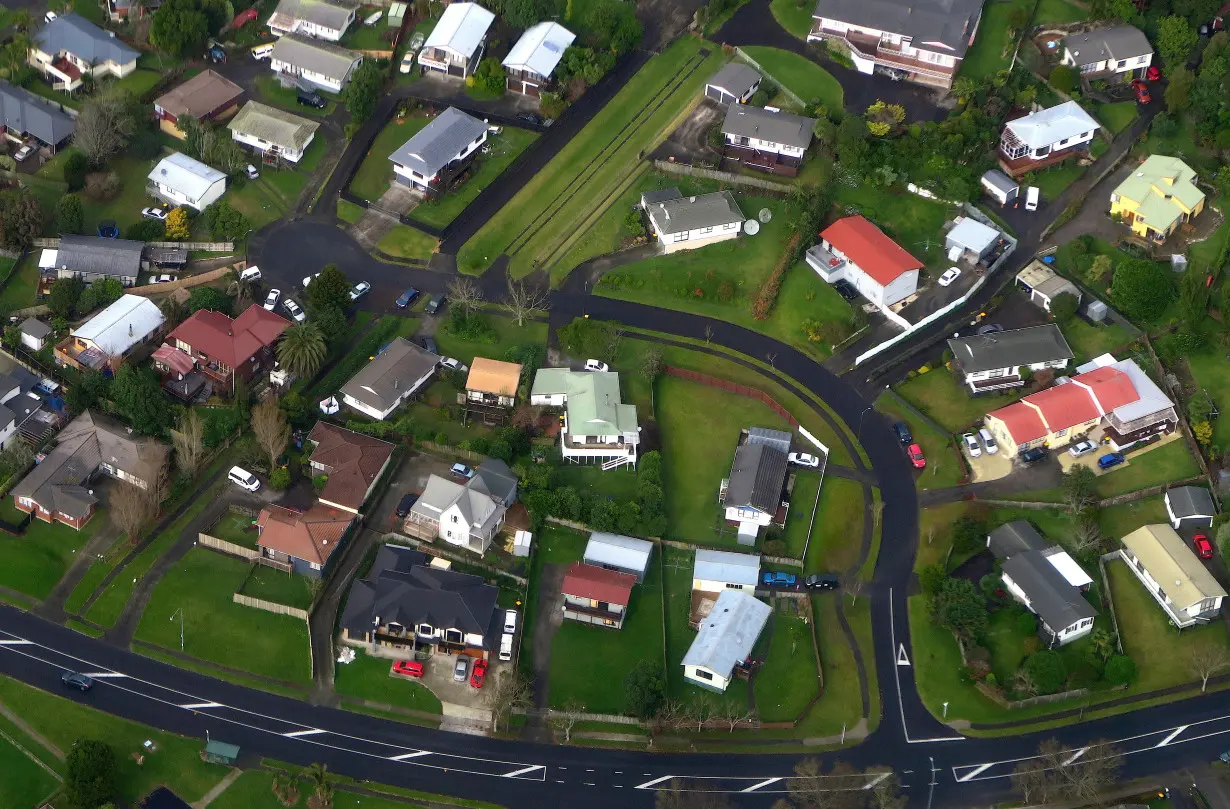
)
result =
(130, 330)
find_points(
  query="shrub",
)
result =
(76, 166)
(1063, 78)
(279, 478)
(1120, 670)
(147, 230)
(1026, 623)
(767, 296)
(319, 481)
(1046, 671)
(102, 186)
(774, 547)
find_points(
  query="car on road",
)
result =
(1032, 195)
(822, 581)
(846, 290)
(950, 275)
(408, 668)
(903, 433)
(1143, 96)
(1033, 455)
(462, 471)
(1110, 460)
(532, 119)
(990, 328)
(243, 478)
(407, 61)
(161, 279)
(778, 578)
(295, 310)
(406, 298)
(451, 364)
(23, 153)
(1154, 73)
(510, 622)
(988, 441)
(309, 279)
(434, 304)
(359, 290)
(1081, 448)
(154, 213)
(479, 675)
(76, 680)
(971, 445)
(271, 300)
(803, 459)
(1204, 548)
(252, 273)
(460, 669)
(596, 365)
(916, 456)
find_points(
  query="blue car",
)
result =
(779, 579)
(1110, 459)
(407, 298)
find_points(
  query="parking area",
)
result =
(410, 477)
(690, 140)
(1090, 459)
(987, 466)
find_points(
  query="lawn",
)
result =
(1163, 464)
(1212, 372)
(505, 148)
(270, 91)
(404, 241)
(839, 704)
(290, 589)
(1088, 341)
(22, 287)
(1121, 520)
(1052, 181)
(125, 209)
(507, 335)
(368, 678)
(992, 50)
(561, 199)
(1058, 11)
(218, 630)
(788, 680)
(254, 790)
(800, 75)
(375, 173)
(25, 784)
(1116, 117)
(139, 82)
(803, 496)
(237, 528)
(558, 546)
(700, 430)
(914, 222)
(944, 466)
(939, 395)
(274, 194)
(348, 212)
(838, 536)
(35, 561)
(363, 37)
(794, 16)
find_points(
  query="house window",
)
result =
(706, 230)
(314, 566)
(681, 237)
(1122, 63)
(998, 372)
(454, 518)
(453, 635)
(733, 586)
(426, 629)
(1061, 433)
(704, 675)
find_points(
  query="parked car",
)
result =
(1110, 459)
(50, 16)
(460, 669)
(990, 328)
(822, 581)
(903, 433)
(108, 229)
(216, 54)
(1154, 73)
(408, 668)
(950, 275)
(532, 119)
(1033, 455)
(73, 679)
(243, 478)
(1204, 548)
(250, 274)
(23, 153)
(1081, 448)
(252, 172)
(462, 471)
(479, 674)
(1225, 757)
(359, 290)
(416, 42)
(271, 300)
(510, 622)
(846, 290)
(407, 61)
(406, 298)
(161, 279)
(916, 457)
(307, 279)
(429, 343)
(451, 364)
(803, 459)
(295, 310)
(971, 444)
(1032, 195)
(154, 213)
(1143, 96)
(506, 644)
(311, 98)
(596, 365)
(264, 51)
(778, 578)
(988, 441)
(434, 304)
(406, 503)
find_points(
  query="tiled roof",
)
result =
(311, 535)
(233, 341)
(866, 245)
(354, 460)
(1023, 422)
(599, 584)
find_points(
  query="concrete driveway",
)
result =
(988, 467)
(410, 476)
(1066, 461)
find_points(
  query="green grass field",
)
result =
(507, 335)
(271, 92)
(368, 678)
(34, 562)
(1052, 181)
(992, 49)
(290, 589)
(788, 680)
(794, 16)
(1058, 11)
(404, 241)
(375, 173)
(24, 784)
(1160, 465)
(1116, 117)
(912, 221)
(938, 394)
(22, 286)
(1212, 372)
(801, 76)
(505, 148)
(838, 535)
(1087, 341)
(802, 498)
(125, 209)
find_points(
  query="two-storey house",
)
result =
(1045, 137)
(1172, 573)
(468, 515)
(492, 384)
(322, 19)
(1158, 197)
(766, 139)
(534, 58)
(753, 495)
(598, 427)
(71, 47)
(439, 152)
(455, 46)
(1046, 580)
(853, 249)
(225, 349)
(596, 596)
(352, 462)
(1120, 52)
(994, 361)
(299, 60)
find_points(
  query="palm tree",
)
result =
(963, 87)
(285, 788)
(23, 20)
(322, 797)
(302, 350)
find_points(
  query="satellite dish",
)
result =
(765, 215)
(751, 227)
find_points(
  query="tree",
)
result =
(285, 788)
(63, 297)
(189, 442)
(644, 689)
(131, 508)
(138, 396)
(211, 298)
(225, 223)
(958, 605)
(147, 230)
(177, 227)
(91, 773)
(92, 387)
(885, 791)
(1120, 670)
(524, 300)
(1088, 534)
(510, 692)
(16, 457)
(1179, 89)
(271, 429)
(102, 292)
(733, 713)
(490, 77)
(563, 721)
(464, 293)
(1063, 78)
(1057, 774)
(76, 166)
(651, 368)
(105, 125)
(853, 585)
(361, 95)
(812, 788)
(524, 13)
(180, 27)
(70, 218)
(322, 787)
(1080, 488)
(302, 350)
(1142, 289)
(677, 795)
(331, 321)
(1175, 40)
(194, 135)
(1063, 307)
(21, 219)
(329, 289)
(1046, 671)
(1205, 661)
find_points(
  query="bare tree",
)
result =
(1023, 683)
(852, 585)
(1206, 661)
(668, 716)
(772, 358)
(104, 127)
(463, 291)
(884, 790)
(510, 691)
(699, 711)
(812, 788)
(1088, 534)
(270, 428)
(677, 795)
(1071, 775)
(189, 442)
(563, 721)
(733, 713)
(524, 300)
(131, 508)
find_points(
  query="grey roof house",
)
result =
(1190, 505)
(1043, 285)
(467, 515)
(34, 333)
(272, 132)
(766, 139)
(1014, 537)
(685, 223)
(1118, 50)
(994, 361)
(440, 151)
(726, 639)
(23, 114)
(70, 47)
(1045, 579)
(714, 571)
(393, 376)
(999, 186)
(619, 553)
(302, 60)
(735, 83)
(93, 257)
(752, 495)
(325, 19)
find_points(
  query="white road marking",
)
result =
(1170, 737)
(15, 642)
(763, 783)
(523, 770)
(405, 756)
(905, 730)
(589, 783)
(649, 784)
(980, 768)
(295, 734)
(1075, 756)
(196, 706)
(877, 779)
(104, 675)
(903, 659)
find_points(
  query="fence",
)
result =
(229, 548)
(447, 553)
(210, 247)
(726, 385)
(9, 253)
(782, 88)
(445, 449)
(181, 283)
(1110, 598)
(722, 176)
(269, 606)
(1131, 497)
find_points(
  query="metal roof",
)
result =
(947, 23)
(461, 29)
(726, 567)
(999, 180)
(96, 255)
(972, 235)
(383, 380)
(758, 471)
(540, 48)
(1014, 537)
(1011, 348)
(333, 14)
(615, 550)
(729, 633)
(204, 93)
(85, 40)
(1049, 126)
(22, 111)
(1183, 578)
(184, 174)
(279, 127)
(440, 142)
(1050, 595)
(735, 78)
(785, 128)
(316, 56)
(1149, 399)
(681, 214)
(121, 325)
(1118, 42)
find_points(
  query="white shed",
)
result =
(620, 553)
(715, 571)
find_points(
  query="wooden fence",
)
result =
(269, 606)
(210, 247)
(181, 283)
(732, 387)
(436, 549)
(722, 176)
(229, 548)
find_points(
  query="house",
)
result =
(1042, 284)
(619, 553)
(321, 19)
(1157, 197)
(685, 223)
(971, 240)
(182, 180)
(493, 383)
(534, 58)
(34, 333)
(121, 10)
(852, 249)
(1046, 580)
(1045, 137)
(22, 411)
(56, 490)
(922, 42)
(1190, 505)
(273, 133)
(598, 427)
(391, 378)
(302, 542)
(1119, 51)
(110, 338)
(994, 361)
(205, 97)
(716, 571)
(301, 60)
(25, 116)
(92, 257)
(225, 349)
(406, 606)
(353, 463)
(767, 139)
(180, 376)
(999, 186)
(467, 515)
(725, 641)
(1108, 399)
(596, 596)
(440, 151)
(455, 45)
(755, 490)
(71, 47)
(735, 83)
(1178, 581)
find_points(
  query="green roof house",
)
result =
(1157, 197)
(598, 427)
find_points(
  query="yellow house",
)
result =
(1160, 195)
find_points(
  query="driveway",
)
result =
(410, 476)
(689, 142)
(547, 620)
(988, 467)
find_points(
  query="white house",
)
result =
(71, 47)
(715, 571)
(323, 19)
(391, 378)
(455, 45)
(766, 138)
(1119, 51)
(272, 132)
(753, 493)
(467, 516)
(534, 58)
(1045, 137)
(852, 249)
(685, 223)
(727, 636)
(598, 427)
(299, 59)
(735, 83)
(1178, 581)
(999, 186)
(994, 361)
(1043, 285)
(619, 553)
(439, 151)
(181, 180)
(1190, 505)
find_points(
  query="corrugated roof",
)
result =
(540, 48)
(681, 214)
(735, 78)
(619, 551)
(972, 235)
(334, 14)
(1190, 501)
(461, 29)
(85, 40)
(1051, 125)
(23, 111)
(184, 174)
(440, 142)
(598, 584)
(729, 633)
(204, 93)
(494, 376)
(1014, 347)
(866, 245)
(727, 567)
(785, 128)
(1182, 577)
(1050, 595)
(756, 478)
(95, 255)
(315, 55)
(279, 127)
(1149, 399)
(121, 325)
(1023, 423)
(1158, 186)
(1014, 537)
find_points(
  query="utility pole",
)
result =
(180, 613)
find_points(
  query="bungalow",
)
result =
(1046, 580)
(92, 257)
(297, 59)
(467, 515)
(598, 427)
(534, 58)
(322, 19)
(725, 641)
(852, 249)
(34, 333)
(273, 133)
(596, 596)
(391, 378)
(455, 45)
(25, 116)
(440, 151)
(182, 180)
(1045, 137)
(226, 349)
(999, 186)
(493, 383)
(302, 542)
(972, 241)
(1178, 581)
(766, 139)
(1120, 51)
(685, 223)
(1042, 284)
(1157, 197)
(755, 490)
(206, 96)
(735, 83)
(406, 607)
(619, 553)
(353, 463)
(110, 338)
(994, 361)
(715, 571)
(1190, 505)
(71, 47)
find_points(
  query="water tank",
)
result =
(1096, 311)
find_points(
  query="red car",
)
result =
(479, 674)
(1142, 91)
(916, 457)
(1204, 548)
(1154, 73)
(408, 668)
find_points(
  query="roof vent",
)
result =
(691, 199)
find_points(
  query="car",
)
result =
(1204, 548)
(216, 54)
(429, 343)
(532, 119)
(903, 433)
(846, 290)
(971, 444)
(990, 328)
(359, 290)
(1032, 455)
(1225, 757)
(416, 42)
(596, 365)
(252, 273)
(434, 304)
(451, 364)
(950, 275)
(1032, 195)
(916, 456)
(154, 213)
(311, 98)
(407, 62)
(76, 680)
(161, 279)
(778, 578)
(1143, 96)
(510, 622)
(108, 229)
(243, 478)
(307, 279)
(1110, 460)
(406, 298)
(988, 441)
(822, 581)
(1154, 73)
(803, 459)
(506, 644)
(408, 668)
(252, 172)
(406, 503)
(461, 669)
(462, 471)
(23, 153)
(1081, 448)
(271, 300)
(479, 674)
(264, 51)
(295, 310)
(50, 16)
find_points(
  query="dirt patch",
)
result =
(664, 20)
(689, 143)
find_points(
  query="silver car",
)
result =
(462, 669)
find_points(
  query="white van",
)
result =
(262, 51)
(1031, 198)
(506, 642)
(510, 622)
(243, 478)
(988, 441)
(250, 274)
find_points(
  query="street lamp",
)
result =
(859, 434)
(180, 613)
(945, 710)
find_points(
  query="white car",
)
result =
(416, 42)
(1031, 198)
(359, 290)
(449, 362)
(971, 444)
(950, 275)
(23, 153)
(510, 622)
(252, 172)
(161, 279)
(295, 310)
(596, 365)
(271, 300)
(407, 62)
(803, 459)
(1081, 448)
(309, 279)
(243, 478)
(154, 213)
(50, 16)
(988, 441)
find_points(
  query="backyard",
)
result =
(912, 221)
(274, 194)
(794, 16)
(801, 76)
(1116, 117)
(505, 148)
(290, 589)
(33, 562)
(368, 678)
(21, 285)
(1088, 340)
(992, 49)
(803, 496)
(938, 394)
(788, 680)
(1052, 181)
(271, 92)
(504, 331)
(375, 173)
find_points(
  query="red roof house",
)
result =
(223, 347)
(305, 540)
(1064, 406)
(880, 268)
(1020, 421)
(352, 461)
(1110, 387)
(595, 595)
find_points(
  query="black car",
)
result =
(846, 290)
(434, 304)
(903, 433)
(1033, 455)
(429, 343)
(532, 119)
(311, 98)
(78, 681)
(821, 581)
(406, 503)
(990, 328)
(406, 298)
